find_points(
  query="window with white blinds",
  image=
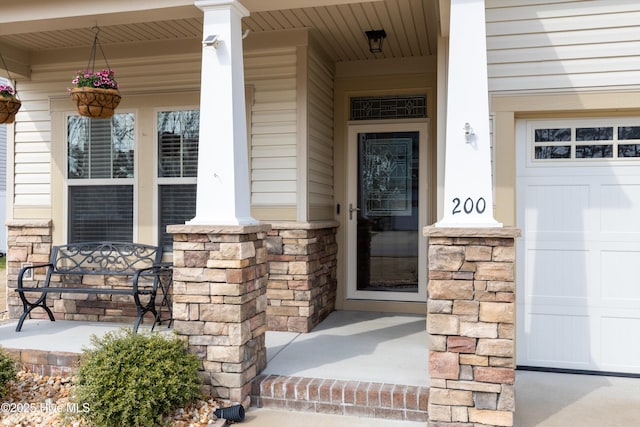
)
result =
(99, 148)
(100, 165)
(178, 136)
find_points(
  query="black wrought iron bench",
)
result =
(140, 267)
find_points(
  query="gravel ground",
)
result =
(38, 401)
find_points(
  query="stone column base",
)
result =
(219, 303)
(471, 326)
(302, 286)
(28, 241)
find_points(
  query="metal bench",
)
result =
(141, 265)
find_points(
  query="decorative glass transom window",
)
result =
(178, 136)
(100, 172)
(586, 142)
(388, 107)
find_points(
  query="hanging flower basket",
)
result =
(97, 103)
(95, 93)
(9, 105)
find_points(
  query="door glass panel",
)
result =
(387, 229)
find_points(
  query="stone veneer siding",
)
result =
(471, 326)
(302, 286)
(219, 303)
(30, 241)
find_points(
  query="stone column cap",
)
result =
(298, 225)
(32, 223)
(497, 232)
(217, 229)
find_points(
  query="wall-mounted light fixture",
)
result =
(468, 133)
(212, 40)
(376, 37)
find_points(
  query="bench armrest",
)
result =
(23, 270)
(157, 270)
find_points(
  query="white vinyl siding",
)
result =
(556, 45)
(3, 188)
(272, 74)
(3, 159)
(32, 148)
(320, 139)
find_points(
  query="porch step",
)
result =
(341, 397)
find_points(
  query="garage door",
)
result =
(578, 205)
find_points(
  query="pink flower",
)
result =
(99, 79)
(6, 90)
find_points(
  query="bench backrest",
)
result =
(104, 257)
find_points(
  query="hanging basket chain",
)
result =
(92, 55)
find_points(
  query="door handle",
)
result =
(352, 210)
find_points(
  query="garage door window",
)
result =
(627, 147)
(588, 142)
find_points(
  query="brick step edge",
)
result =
(44, 362)
(341, 397)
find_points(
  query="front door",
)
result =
(387, 211)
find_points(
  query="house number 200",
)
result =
(469, 205)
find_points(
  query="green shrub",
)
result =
(132, 379)
(7, 371)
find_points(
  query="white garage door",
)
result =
(578, 205)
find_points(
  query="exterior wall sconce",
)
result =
(376, 37)
(468, 133)
(212, 40)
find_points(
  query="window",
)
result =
(100, 172)
(388, 107)
(178, 136)
(586, 142)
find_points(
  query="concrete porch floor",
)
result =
(355, 346)
(385, 348)
(348, 345)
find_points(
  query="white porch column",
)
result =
(223, 169)
(468, 198)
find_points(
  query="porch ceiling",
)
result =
(411, 27)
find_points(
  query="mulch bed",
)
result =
(38, 401)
